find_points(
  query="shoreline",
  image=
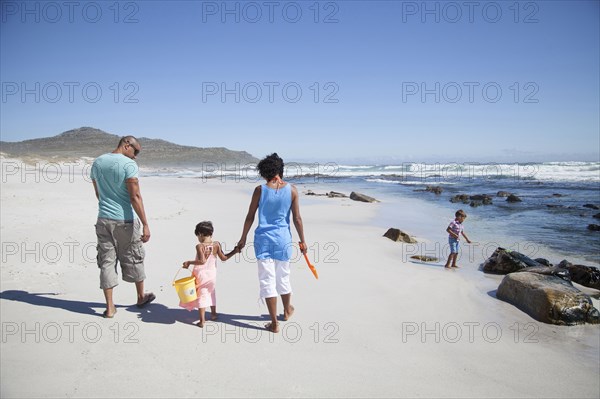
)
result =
(371, 317)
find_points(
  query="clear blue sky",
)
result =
(362, 67)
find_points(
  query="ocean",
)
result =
(558, 199)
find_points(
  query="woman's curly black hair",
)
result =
(205, 228)
(270, 166)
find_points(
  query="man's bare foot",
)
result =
(109, 315)
(214, 317)
(287, 313)
(273, 327)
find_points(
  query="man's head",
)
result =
(129, 146)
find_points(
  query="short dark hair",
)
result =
(460, 212)
(205, 228)
(270, 166)
(127, 140)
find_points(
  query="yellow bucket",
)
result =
(186, 288)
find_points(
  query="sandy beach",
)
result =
(375, 324)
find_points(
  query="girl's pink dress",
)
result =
(206, 274)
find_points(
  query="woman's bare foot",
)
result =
(214, 317)
(200, 324)
(287, 313)
(273, 327)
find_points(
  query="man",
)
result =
(120, 237)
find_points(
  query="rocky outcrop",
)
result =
(464, 198)
(548, 271)
(503, 194)
(543, 261)
(361, 197)
(587, 276)
(513, 198)
(593, 227)
(591, 206)
(331, 194)
(472, 200)
(398, 235)
(504, 261)
(548, 299)
(437, 190)
(424, 258)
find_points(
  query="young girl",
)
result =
(205, 271)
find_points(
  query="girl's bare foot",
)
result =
(273, 327)
(287, 313)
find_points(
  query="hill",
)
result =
(91, 142)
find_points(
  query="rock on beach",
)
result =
(361, 197)
(548, 299)
(398, 235)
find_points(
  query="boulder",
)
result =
(513, 198)
(593, 227)
(437, 190)
(548, 271)
(548, 299)
(464, 198)
(361, 197)
(333, 194)
(543, 261)
(597, 216)
(398, 235)
(504, 261)
(475, 204)
(503, 194)
(424, 258)
(591, 206)
(587, 276)
(480, 197)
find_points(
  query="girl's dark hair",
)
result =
(270, 166)
(460, 212)
(205, 228)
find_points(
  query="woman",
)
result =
(272, 238)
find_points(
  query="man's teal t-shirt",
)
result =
(110, 171)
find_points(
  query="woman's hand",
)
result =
(186, 264)
(302, 246)
(241, 244)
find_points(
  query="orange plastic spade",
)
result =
(310, 265)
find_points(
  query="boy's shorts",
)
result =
(119, 241)
(453, 245)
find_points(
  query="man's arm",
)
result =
(96, 190)
(133, 187)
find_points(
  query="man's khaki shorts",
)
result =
(120, 241)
